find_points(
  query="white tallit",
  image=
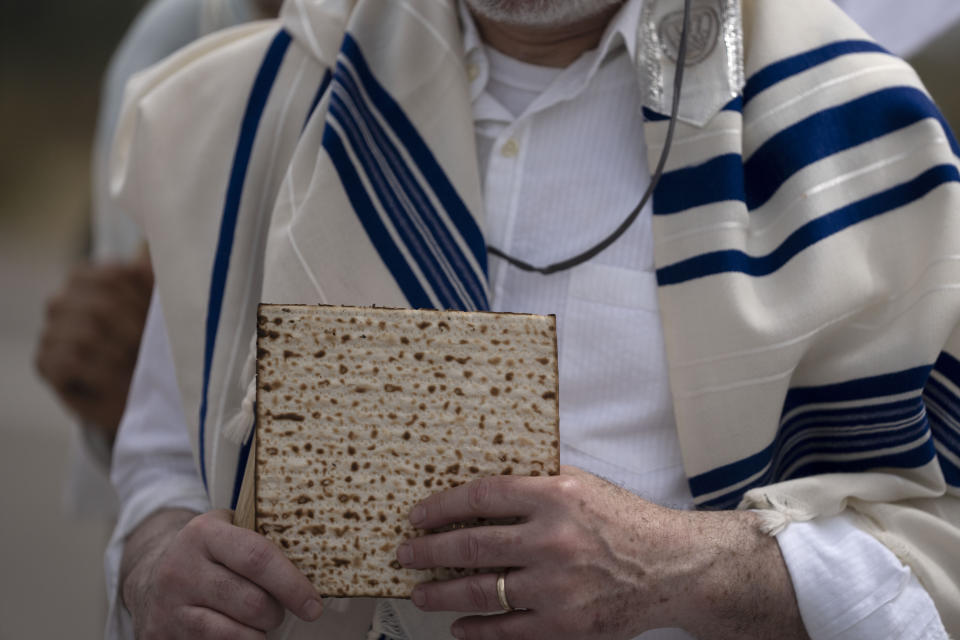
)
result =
(806, 236)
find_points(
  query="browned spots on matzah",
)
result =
(389, 406)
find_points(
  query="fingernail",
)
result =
(418, 597)
(312, 609)
(457, 631)
(417, 515)
(405, 554)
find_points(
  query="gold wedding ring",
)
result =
(502, 591)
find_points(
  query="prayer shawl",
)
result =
(807, 242)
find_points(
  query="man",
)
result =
(372, 139)
(89, 341)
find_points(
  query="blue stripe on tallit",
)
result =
(322, 89)
(785, 154)
(414, 241)
(370, 219)
(887, 384)
(831, 131)
(242, 464)
(436, 232)
(783, 69)
(951, 472)
(419, 210)
(420, 152)
(652, 116)
(733, 260)
(817, 436)
(820, 445)
(719, 179)
(943, 406)
(262, 86)
(734, 105)
(945, 426)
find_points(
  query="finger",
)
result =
(50, 361)
(516, 624)
(493, 497)
(258, 560)
(474, 594)
(91, 278)
(90, 340)
(61, 368)
(136, 273)
(69, 371)
(473, 547)
(108, 290)
(64, 373)
(102, 274)
(238, 598)
(205, 624)
(135, 280)
(119, 315)
(102, 312)
(95, 392)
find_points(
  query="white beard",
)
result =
(540, 13)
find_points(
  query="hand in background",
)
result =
(90, 338)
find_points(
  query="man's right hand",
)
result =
(190, 576)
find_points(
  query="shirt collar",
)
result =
(623, 31)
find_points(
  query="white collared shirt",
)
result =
(563, 163)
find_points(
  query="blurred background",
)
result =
(52, 57)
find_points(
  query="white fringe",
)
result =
(775, 510)
(386, 624)
(239, 427)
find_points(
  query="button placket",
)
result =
(510, 148)
(505, 168)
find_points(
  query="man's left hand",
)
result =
(588, 559)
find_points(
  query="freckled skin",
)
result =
(593, 561)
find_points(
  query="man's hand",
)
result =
(590, 560)
(199, 577)
(91, 336)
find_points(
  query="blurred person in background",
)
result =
(88, 345)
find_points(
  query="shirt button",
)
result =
(472, 71)
(510, 149)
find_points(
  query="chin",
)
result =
(540, 13)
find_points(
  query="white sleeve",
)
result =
(851, 587)
(153, 463)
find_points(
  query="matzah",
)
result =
(364, 412)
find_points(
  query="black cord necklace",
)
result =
(578, 259)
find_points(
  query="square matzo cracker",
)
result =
(363, 412)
